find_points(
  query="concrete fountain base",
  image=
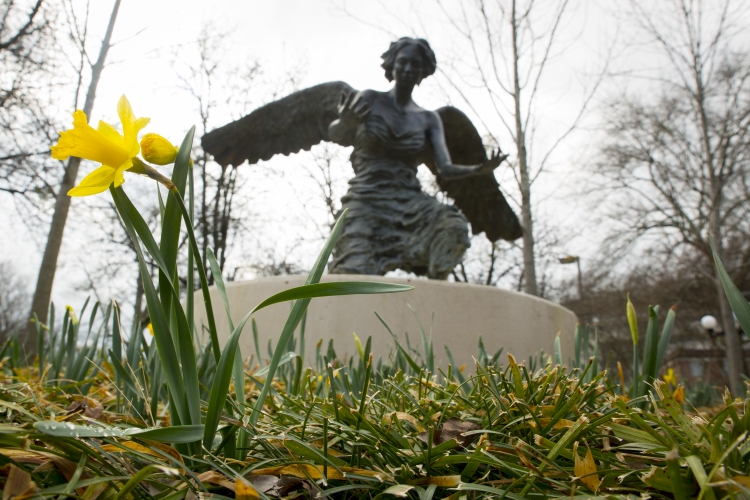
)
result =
(456, 313)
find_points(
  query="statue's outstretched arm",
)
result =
(464, 172)
(442, 158)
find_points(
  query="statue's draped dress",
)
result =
(391, 223)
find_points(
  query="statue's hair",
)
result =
(428, 56)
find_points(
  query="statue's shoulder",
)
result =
(370, 95)
(432, 117)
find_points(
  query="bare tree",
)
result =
(115, 273)
(510, 46)
(43, 290)
(677, 163)
(488, 264)
(212, 82)
(27, 73)
(14, 302)
(326, 171)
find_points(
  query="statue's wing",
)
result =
(294, 123)
(478, 197)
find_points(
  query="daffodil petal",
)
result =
(130, 125)
(78, 191)
(110, 132)
(125, 111)
(102, 175)
(140, 123)
(119, 177)
(94, 183)
(85, 142)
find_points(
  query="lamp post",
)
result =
(711, 325)
(570, 259)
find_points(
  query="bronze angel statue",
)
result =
(391, 223)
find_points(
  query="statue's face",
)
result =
(408, 66)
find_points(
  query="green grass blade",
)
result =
(595, 367)
(650, 351)
(172, 221)
(162, 336)
(331, 289)
(426, 343)
(190, 285)
(737, 301)
(123, 203)
(256, 342)
(286, 358)
(300, 306)
(220, 386)
(219, 282)
(666, 333)
(40, 343)
(456, 369)
(174, 434)
(184, 337)
(238, 372)
(201, 274)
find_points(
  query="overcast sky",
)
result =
(321, 42)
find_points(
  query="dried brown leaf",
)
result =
(19, 484)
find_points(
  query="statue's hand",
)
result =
(491, 163)
(352, 109)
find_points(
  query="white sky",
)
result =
(317, 36)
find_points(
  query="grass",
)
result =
(353, 431)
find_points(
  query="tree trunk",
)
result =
(529, 264)
(43, 290)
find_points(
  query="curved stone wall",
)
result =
(456, 313)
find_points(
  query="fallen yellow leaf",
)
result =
(217, 478)
(244, 490)
(585, 469)
(124, 446)
(303, 471)
(560, 424)
(403, 416)
(442, 481)
(19, 485)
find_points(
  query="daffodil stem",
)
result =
(162, 179)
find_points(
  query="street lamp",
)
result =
(571, 259)
(711, 325)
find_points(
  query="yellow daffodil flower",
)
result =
(670, 378)
(104, 145)
(151, 329)
(156, 149)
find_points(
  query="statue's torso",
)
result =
(388, 147)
